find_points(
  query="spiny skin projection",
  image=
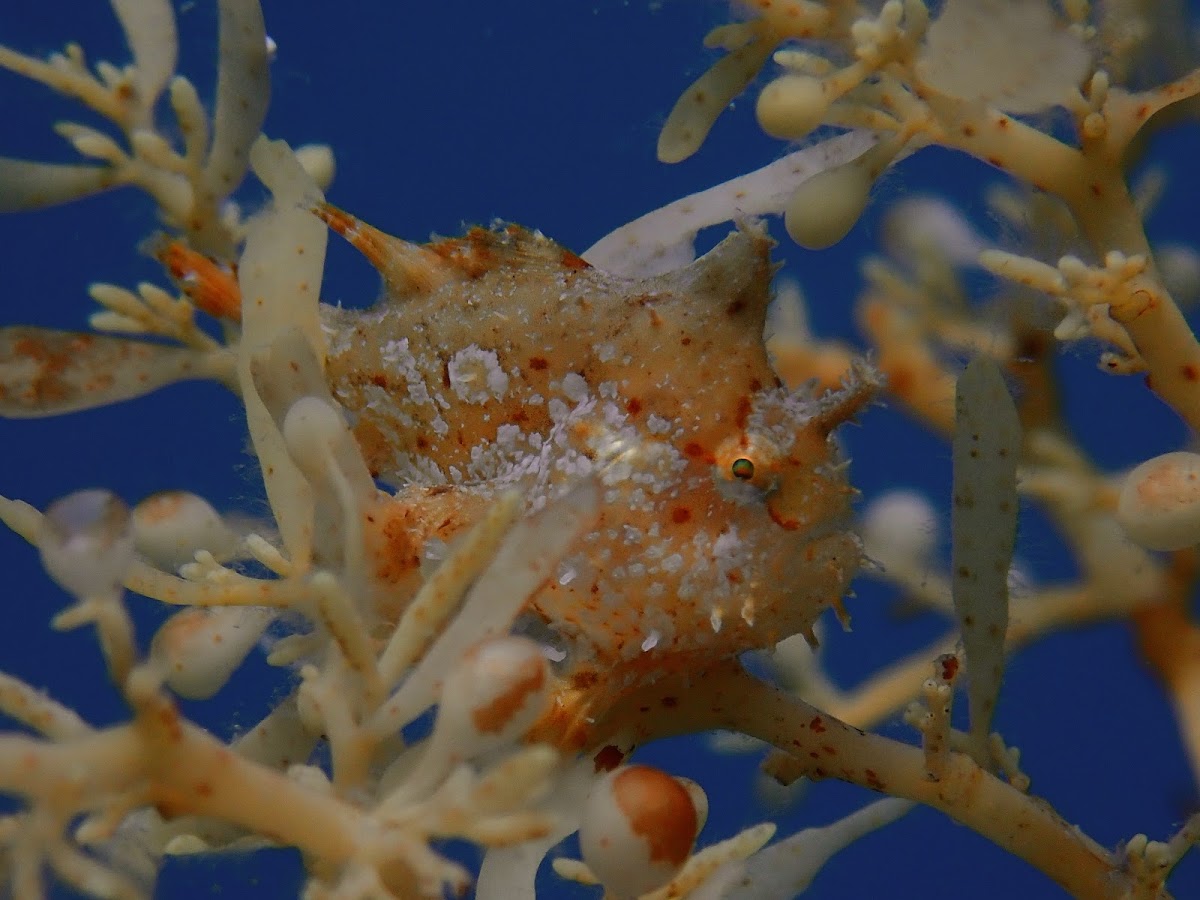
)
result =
(501, 360)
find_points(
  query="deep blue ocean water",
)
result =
(546, 114)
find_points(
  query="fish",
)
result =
(502, 361)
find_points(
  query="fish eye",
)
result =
(742, 468)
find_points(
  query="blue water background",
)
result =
(546, 114)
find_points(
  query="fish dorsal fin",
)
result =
(407, 269)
